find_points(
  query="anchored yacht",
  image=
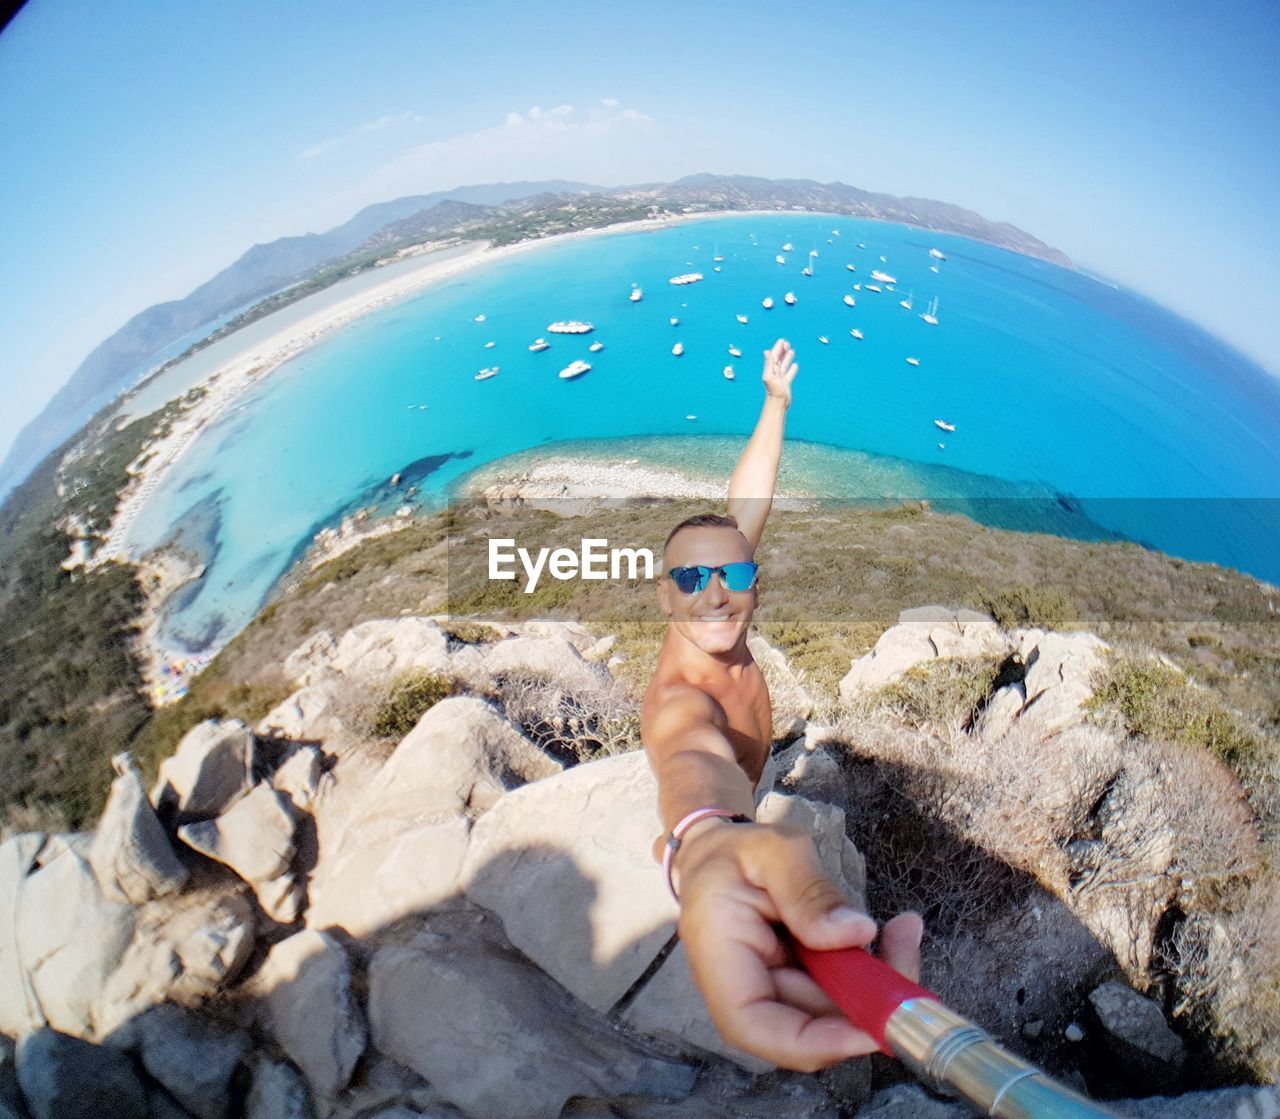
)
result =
(577, 369)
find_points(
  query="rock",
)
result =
(1002, 710)
(1073, 1032)
(670, 1006)
(1139, 1038)
(19, 1007)
(211, 767)
(69, 940)
(1033, 1029)
(600, 650)
(1229, 1103)
(192, 1058)
(815, 775)
(550, 658)
(312, 1014)
(281, 898)
(910, 1101)
(254, 837)
(575, 633)
(64, 1077)
(312, 714)
(1060, 669)
(130, 854)
(298, 776)
(510, 1034)
(183, 955)
(277, 1092)
(309, 658)
(377, 652)
(567, 864)
(792, 704)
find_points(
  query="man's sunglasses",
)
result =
(733, 577)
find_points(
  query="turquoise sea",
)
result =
(1060, 386)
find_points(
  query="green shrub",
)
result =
(941, 691)
(1048, 607)
(469, 633)
(409, 698)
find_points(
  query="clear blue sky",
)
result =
(145, 146)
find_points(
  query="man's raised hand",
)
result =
(780, 370)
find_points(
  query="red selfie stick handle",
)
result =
(866, 990)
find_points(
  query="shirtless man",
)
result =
(707, 729)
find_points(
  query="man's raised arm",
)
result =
(755, 477)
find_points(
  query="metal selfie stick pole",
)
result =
(910, 1023)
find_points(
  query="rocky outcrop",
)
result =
(211, 768)
(192, 1058)
(1059, 680)
(19, 1007)
(64, 1077)
(131, 855)
(791, 702)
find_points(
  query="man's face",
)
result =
(715, 620)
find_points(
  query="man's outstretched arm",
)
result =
(755, 477)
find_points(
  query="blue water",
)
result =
(1057, 384)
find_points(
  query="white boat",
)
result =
(715, 268)
(943, 425)
(873, 287)
(942, 446)
(906, 304)
(806, 271)
(913, 361)
(678, 349)
(835, 233)
(857, 287)
(687, 278)
(788, 247)
(883, 277)
(856, 333)
(937, 254)
(884, 260)
(691, 416)
(823, 339)
(851, 267)
(571, 327)
(813, 252)
(767, 303)
(674, 321)
(742, 318)
(538, 345)
(734, 351)
(576, 369)
(485, 374)
(728, 372)
(478, 318)
(931, 315)
(862, 244)
(490, 345)
(789, 299)
(780, 259)
(636, 295)
(717, 259)
(596, 347)
(933, 268)
(849, 301)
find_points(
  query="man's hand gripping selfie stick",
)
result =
(910, 1023)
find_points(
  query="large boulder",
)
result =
(63, 1077)
(130, 854)
(791, 702)
(298, 776)
(544, 658)
(277, 1091)
(211, 767)
(19, 1007)
(181, 953)
(69, 940)
(378, 651)
(193, 1058)
(314, 713)
(1146, 1050)
(567, 864)
(312, 1014)
(511, 1041)
(1059, 680)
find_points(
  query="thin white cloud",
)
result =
(345, 139)
(317, 150)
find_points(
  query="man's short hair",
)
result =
(701, 520)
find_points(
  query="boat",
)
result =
(674, 321)
(538, 345)
(849, 301)
(862, 244)
(884, 260)
(931, 315)
(596, 347)
(678, 349)
(942, 446)
(813, 252)
(742, 318)
(691, 416)
(571, 327)
(823, 339)
(806, 271)
(913, 361)
(767, 303)
(490, 345)
(873, 287)
(687, 278)
(789, 299)
(728, 372)
(835, 233)
(576, 369)
(717, 259)
(734, 351)
(485, 374)
(937, 254)
(857, 287)
(715, 268)
(933, 268)
(788, 247)
(636, 295)
(478, 318)
(943, 425)
(780, 259)
(851, 268)
(906, 304)
(883, 277)
(856, 333)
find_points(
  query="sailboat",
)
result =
(906, 304)
(931, 315)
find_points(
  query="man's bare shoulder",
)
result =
(673, 704)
